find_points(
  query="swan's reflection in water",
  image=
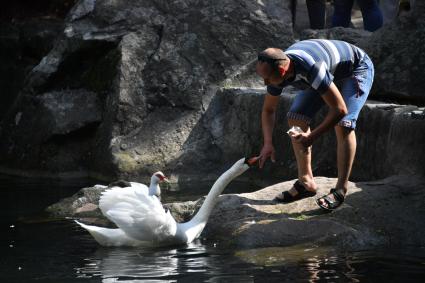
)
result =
(200, 262)
(206, 263)
(151, 265)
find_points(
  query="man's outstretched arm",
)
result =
(267, 123)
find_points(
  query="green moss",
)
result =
(300, 217)
(125, 162)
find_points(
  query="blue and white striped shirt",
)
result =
(318, 62)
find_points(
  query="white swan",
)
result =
(142, 221)
(153, 190)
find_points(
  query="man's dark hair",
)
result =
(273, 57)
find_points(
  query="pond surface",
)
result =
(35, 248)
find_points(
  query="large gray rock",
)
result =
(55, 118)
(155, 66)
(28, 33)
(387, 212)
(390, 138)
(351, 35)
(23, 43)
(166, 79)
(397, 50)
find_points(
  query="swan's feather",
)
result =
(140, 187)
(110, 237)
(111, 197)
(138, 214)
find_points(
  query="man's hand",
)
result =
(303, 138)
(266, 152)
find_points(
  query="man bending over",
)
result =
(329, 72)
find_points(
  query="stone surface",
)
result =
(253, 220)
(28, 31)
(164, 84)
(389, 138)
(22, 46)
(155, 66)
(395, 203)
(397, 51)
(351, 35)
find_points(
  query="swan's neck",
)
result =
(154, 188)
(194, 227)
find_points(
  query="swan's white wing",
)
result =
(110, 237)
(139, 215)
(121, 194)
(140, 187)
(111, 197)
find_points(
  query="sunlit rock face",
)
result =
(154, 67)
(389, 137)
(255, 220)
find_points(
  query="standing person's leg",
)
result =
(316, 13)
(305, 105)
(303, 156)
(355, 91)
(372, 16)
(301, 113)
(342, 13)
(389, 9)
(293, 8)
(346, 151)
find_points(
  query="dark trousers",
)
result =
(372, 16)
(316, 13)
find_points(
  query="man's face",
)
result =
(269, 76)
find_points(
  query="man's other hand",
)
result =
(266, 152)
(303, 138)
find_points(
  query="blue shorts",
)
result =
(354, 90)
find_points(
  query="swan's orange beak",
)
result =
(252, 161)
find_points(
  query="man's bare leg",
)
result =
(303, 157)
(346, 151)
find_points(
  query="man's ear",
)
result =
(282, 70)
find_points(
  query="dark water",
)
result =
(35, 248)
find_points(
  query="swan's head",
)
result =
(251, 162)
(158, 177)
(244, 164)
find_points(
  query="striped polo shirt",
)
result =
(318, 62)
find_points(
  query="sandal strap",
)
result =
(302, 192)
(287, 196)
(333, 203)
(299, 187)
(338, 195)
